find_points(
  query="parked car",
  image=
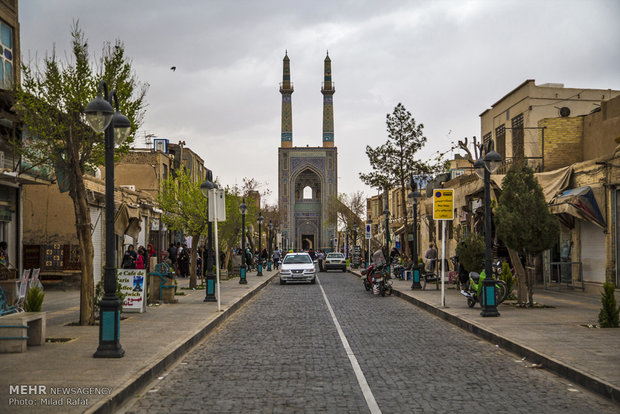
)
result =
(297, 267)
(335, 261)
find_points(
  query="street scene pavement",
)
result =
(152, 342)
(283, 353)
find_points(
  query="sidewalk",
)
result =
(554, 336)
(152, 341)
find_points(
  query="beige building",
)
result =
(49, 239)
(512, 122)
(581, 188)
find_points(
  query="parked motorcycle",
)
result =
(473, 290)
(397, 269)
(377, 276)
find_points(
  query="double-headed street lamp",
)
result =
(369, 223)
(101, 117)
(243, 209)
(260, 220)
(484, 167)
(210, 277)
(269, 243)
(414, 196)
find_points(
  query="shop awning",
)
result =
(579, 203)
(127, 221)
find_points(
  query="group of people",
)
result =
(139, 259)
(430, 257)
(251, 259)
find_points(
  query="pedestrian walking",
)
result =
(129, 258)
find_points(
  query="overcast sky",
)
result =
(446, 61)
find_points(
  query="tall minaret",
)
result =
(328, 90)
(286, 89)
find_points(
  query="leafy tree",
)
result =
(229, 231)
(185, 209)
(524, 223)
(471, 252)
(350, 209)
(51, 102)
(608, 317)
(393, 162)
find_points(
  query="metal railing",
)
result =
(564, 273)
(534, 162)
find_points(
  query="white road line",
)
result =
(361, 379)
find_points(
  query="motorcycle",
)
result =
(377, 277)
(397, 269)
(473, 290)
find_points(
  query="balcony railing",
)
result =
(533, 162)
(289, 89)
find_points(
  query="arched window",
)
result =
(308, 193)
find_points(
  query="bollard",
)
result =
(210, 280)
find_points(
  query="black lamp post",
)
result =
(260, 220)
(101, 117)
(386, 212)
(369, 253)
(269, 243)
(243, 209)
(484, 167)
(414, 196)
(210, 277)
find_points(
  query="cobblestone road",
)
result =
(282, 353)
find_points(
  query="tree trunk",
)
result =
(82, 226)
(530, 269)
(521, 277)
(193, 261)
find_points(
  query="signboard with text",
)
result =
(133, 286)
(443, 204)
(368, 232)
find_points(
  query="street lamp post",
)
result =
(369, 222)
(414, 195)
(210, 277)
(484, 167)
(269, 243)
(260, 220)
(101, 117)
(243, 209)
(386, 212)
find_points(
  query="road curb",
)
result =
(572, 374)
(151, 373)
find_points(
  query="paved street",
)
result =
(282, 353)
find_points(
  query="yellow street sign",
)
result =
(443, 204)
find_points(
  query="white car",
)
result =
(335, 261)
(297, 267)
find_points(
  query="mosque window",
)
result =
(307, 193)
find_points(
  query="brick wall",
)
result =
(563, 141)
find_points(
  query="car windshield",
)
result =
(297, 258)
(336, 255)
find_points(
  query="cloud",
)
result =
(446, 61)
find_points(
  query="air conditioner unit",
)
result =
(160, 145)
(129, 187)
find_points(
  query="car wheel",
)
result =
(313, 281)
(282, 282)
(344, 269)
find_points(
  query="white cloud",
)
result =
(446, 61)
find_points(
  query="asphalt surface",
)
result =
(282, 353)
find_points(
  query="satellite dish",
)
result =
(564, 111)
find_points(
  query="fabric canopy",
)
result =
(127, 221)
(579, 203)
